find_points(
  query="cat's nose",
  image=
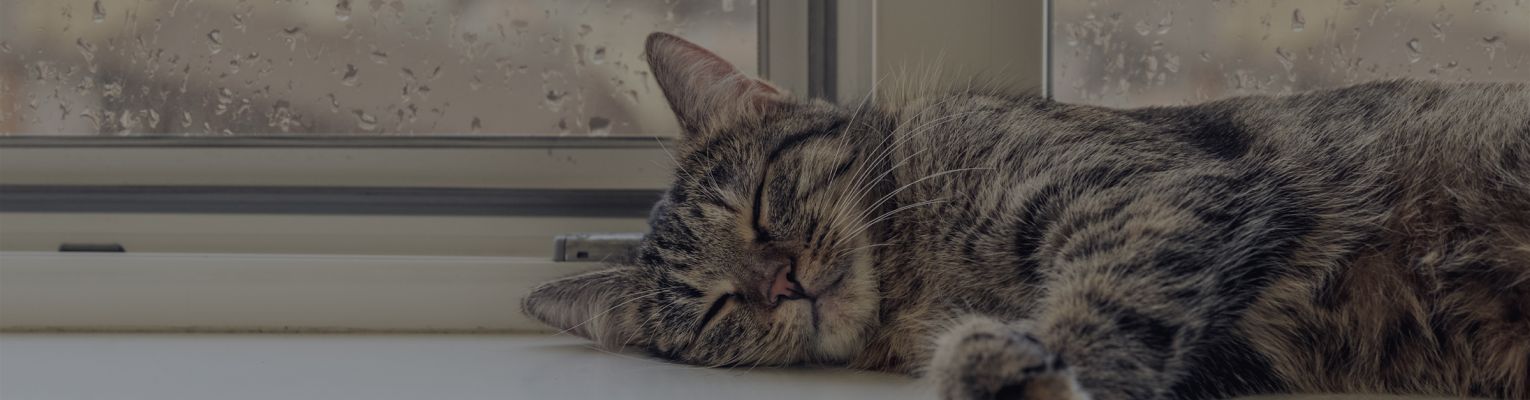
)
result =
(784, 286)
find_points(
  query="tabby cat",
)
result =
(1367, 239)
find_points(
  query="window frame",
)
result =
(817, 48)
(511, 194)
(488, 176)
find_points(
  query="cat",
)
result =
(1366, 239)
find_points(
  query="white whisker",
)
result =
(635, 297)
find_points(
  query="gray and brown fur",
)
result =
(1373, 238)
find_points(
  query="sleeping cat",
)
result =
(1373, 238)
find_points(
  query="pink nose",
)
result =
(784, 286)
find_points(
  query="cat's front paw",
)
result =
(985, 359)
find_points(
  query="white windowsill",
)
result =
(387, 367)
(42, 291)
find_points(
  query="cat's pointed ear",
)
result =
(594, 305)
(705, 91)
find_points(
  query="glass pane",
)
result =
(366, 67)
(1133, 53)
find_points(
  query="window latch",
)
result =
(91, 248)
(597, 247)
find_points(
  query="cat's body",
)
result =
(1374, 238)
(1367, 238)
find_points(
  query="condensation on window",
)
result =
(1138, 53)
(357, 67)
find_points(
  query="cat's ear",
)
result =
(705, 91)
(589, 305)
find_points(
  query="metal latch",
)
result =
(597, 247)
(91, 248)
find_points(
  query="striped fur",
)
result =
(1373, 238)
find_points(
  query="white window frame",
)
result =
(215, 270)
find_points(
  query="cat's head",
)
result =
(759, 252)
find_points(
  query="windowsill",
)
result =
(384, 367)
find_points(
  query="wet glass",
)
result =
(356, 67)
(1137, 53)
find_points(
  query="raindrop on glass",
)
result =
(349, 79)
(554, 101)
(476, 125)
(1287, 60)
(1493, 44)
(600, 126)
(111, 90)
(1439, 29)
(98, 11)
(600, 55)
(1414, 50)
(343, 10)
(90, 116)
(1143, 28)
(282, 117)
(225, 98)
(215, 41)
(153, 118)
(364, 121)
(1166, 23)
(413, 112)
(86, 49)
(1298, 22)
(1447, 68)
(128, 121)
(291, 36)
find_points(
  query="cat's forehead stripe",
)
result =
(799, 138)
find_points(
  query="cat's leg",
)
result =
(982, 358)
(1144, 296)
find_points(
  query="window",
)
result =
(343, 157)
(381, 164)
(230, 125)
(240, 68)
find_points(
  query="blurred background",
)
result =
(365, 67)
(1134, 53)
(574, 68)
